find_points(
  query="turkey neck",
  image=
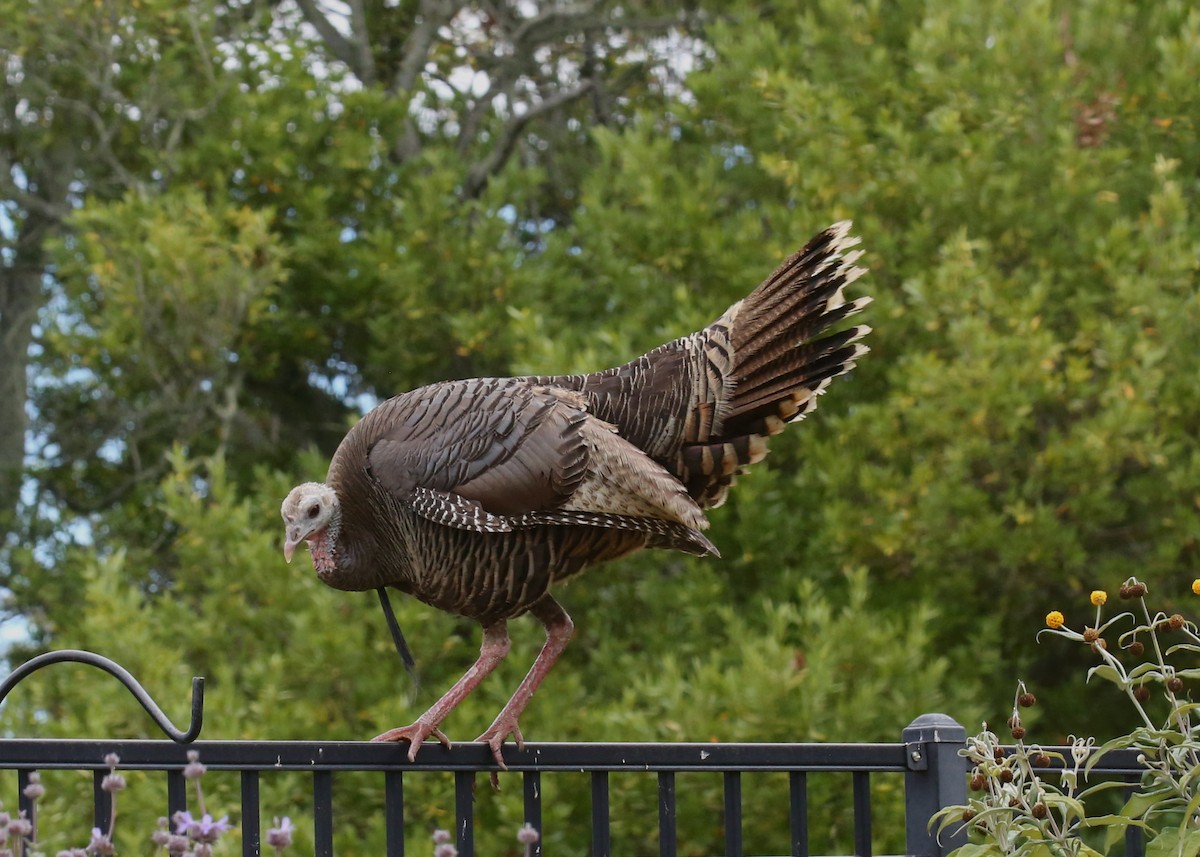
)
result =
(368, 547)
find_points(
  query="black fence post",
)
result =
(936, 778)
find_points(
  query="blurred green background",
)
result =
(226, 228)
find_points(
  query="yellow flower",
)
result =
(1099, 596)
(1054, 619)
(1196, 586)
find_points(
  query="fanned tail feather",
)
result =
(772, 356)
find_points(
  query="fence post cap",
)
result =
(935, 727)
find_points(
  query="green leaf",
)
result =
(1108, 673)
(1174, 842)
(983, 849)
(1146, 671)
(1116, 826)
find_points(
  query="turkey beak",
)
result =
(290, 543)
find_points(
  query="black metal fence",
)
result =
(926, 756)
(933, 776)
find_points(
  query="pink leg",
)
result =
(558, 633)
(495, 646)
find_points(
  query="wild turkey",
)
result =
(476, 496)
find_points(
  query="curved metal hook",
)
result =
(123, 675)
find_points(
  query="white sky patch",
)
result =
(14, 630)
(470, 82)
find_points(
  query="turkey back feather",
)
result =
(704, 405)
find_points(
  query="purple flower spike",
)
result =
(280, 836)
(208, 831)
(100, 843)
(183, 822)
(21, 827)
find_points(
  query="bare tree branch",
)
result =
(481, 172)
(341, 47)
(555, 23)
(503, 81)
(362, 42)
(415, 54)
(69, 495)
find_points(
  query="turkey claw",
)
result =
(494, 738)
(415, 735)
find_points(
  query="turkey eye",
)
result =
(313, 510)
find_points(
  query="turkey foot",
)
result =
(503, 726)
(415, 735)
(558, 633)
(495, 646)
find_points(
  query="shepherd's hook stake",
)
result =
(123, 675)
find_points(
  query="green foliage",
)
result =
(252, 261)
(1018, 811)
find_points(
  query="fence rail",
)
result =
(922, 760)
(934, 776)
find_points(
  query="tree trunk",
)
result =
(20, 297)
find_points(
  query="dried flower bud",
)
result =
(1100, 643)
(1174, 684)
(1137, 648)
(35, 789)
(968, 814)
(1175, 622)
(1042, 760)
(1141, 693)
(998, 754)
(1137, 589)
(1039, 810)
(1090, 635)
(1026, 700)
(1006, 775)
(1123, 592)
(193, 770)
(1018, 732)
(978, 782)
